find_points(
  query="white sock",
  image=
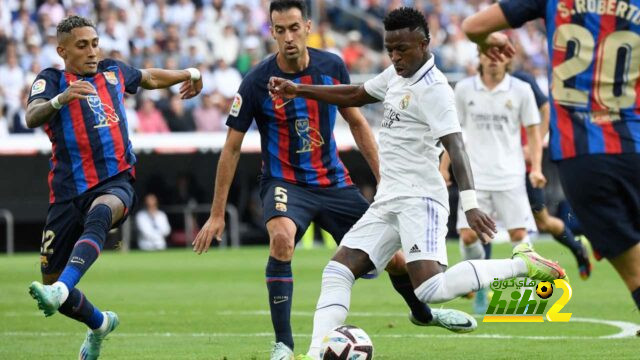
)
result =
(524, 240)
(474, 251)
(63, 291)
(468, 276)
(333, 303)
(104, 325)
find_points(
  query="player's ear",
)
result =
(273, 32)
(62, 52)
(308, 26)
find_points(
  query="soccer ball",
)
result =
(544, 289)
(346, 342)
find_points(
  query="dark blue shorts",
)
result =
(65, 220)
(333, 209)
(604, 193)
(535, 195)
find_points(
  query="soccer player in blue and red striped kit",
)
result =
(594, 49)
(303, 179)
(91, 169)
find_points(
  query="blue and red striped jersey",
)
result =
(297, 134)
(594, 49)
(89, 138)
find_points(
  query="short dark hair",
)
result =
(74, 21)
(406, 17)
(284, 5)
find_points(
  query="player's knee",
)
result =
(432, 290)
(468, 236)
(114, 203)
(541, 222)
(397, 265)
(282, 245)
(48, 279)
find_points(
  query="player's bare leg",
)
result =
(279, 278)
(627, 265)
(557, 228)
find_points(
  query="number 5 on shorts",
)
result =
(280, 194)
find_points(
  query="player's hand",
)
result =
(190, 88)
(537, 179)
(77, 90)
(497, 47)
(213, 228)
(282, 88)
(482, 224)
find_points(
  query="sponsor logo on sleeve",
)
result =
(236, 106)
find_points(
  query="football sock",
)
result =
(467, 276)
(333, 303)
(280, 288)
(420, 310)
(636, 297)
(474, 251)
(79, 308)
(567, 239)
(524, 240)
(487, 250)
(87, 249)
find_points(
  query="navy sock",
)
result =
(487, 250)
(88, 247)
(569, 240)
(78, 307)
(420, 310)
(636, 297)
(280, 287)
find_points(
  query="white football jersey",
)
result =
(418, 111)
(491, 123)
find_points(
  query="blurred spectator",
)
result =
(18, 123)
(11, 81)
(49, 53)
(210, 115)
(354, 49)
(150, 119)
(226, 47)
(53, 9)
(4, 123)
(153, 225)
(178, 118)
(226, 79)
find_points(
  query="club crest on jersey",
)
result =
(104, 114)
(404, 103)
(509, 105)
(38, 87)
(236, 106)
(111, 77)
(309, 136)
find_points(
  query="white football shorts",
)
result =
(417, 225)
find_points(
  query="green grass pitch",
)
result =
(177, 305)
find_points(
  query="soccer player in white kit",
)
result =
(410, 209)
(492, 107)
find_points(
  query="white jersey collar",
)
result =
(423, 71)
(505, 84)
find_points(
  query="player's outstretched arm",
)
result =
(161, 78)
(481, 29)
(364, 138)
(534, 144)
(341, 95)
(227, 165)
(480, 222)
(39, 111)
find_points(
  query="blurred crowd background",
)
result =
(225, 39)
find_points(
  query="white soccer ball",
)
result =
(346, 342)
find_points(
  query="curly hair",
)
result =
(74, 21)
(406, 17)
